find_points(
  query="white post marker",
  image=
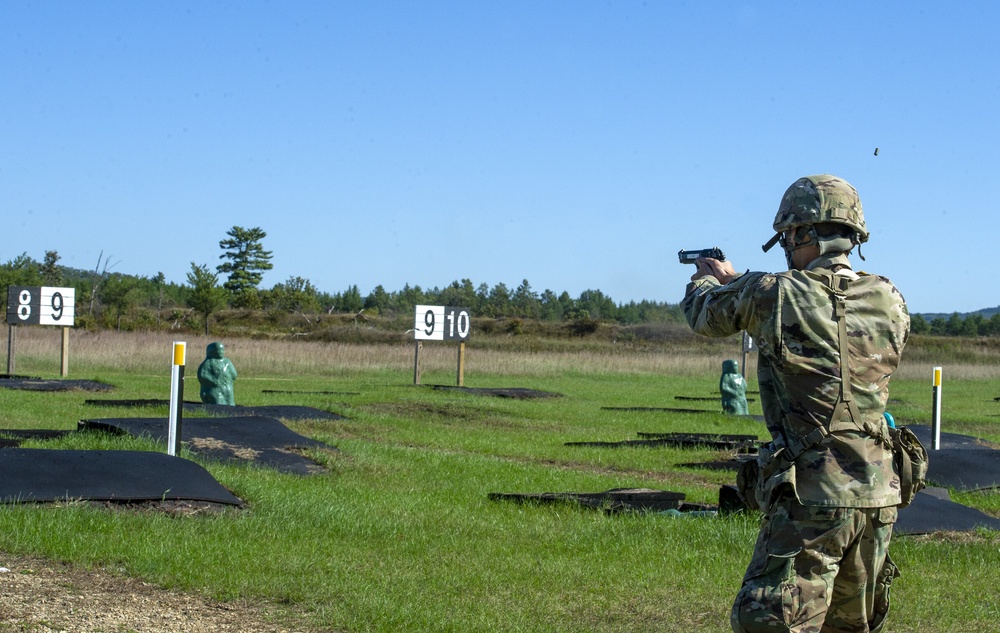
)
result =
(176, 398)
(936, 418)
(747, 347)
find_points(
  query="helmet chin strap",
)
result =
(827, 245)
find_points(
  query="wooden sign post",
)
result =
(40, 305)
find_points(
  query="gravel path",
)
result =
(39, 595)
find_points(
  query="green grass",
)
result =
(400, 535)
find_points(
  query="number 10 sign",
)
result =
(441, 323)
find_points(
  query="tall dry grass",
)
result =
(37, 351)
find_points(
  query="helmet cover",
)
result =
(817, 200)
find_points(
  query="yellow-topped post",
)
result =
(176, 398)
(936, 418)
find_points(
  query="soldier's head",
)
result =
(818, 215)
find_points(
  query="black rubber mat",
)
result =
(518, 393)
(758, 418)
(14, 437)
(326, 393)
(34, 475)
(261, 440)
(642, 499)
(948, 440)
(40, 384)
(706, 399)
(933, 511)
(963, 462)
(742, 443)
(286, 412)
(660, 409)
(964, 469)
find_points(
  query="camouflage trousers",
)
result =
(818, 570)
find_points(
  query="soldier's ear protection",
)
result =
(792, 239)
(796, 238)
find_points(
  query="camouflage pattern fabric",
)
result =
(818, 570)
(790, 316)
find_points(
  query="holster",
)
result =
(747, 479)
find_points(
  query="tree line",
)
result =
(974, 324)
(107, 298)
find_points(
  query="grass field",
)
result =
(401, 534)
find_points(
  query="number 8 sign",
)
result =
(441, 323)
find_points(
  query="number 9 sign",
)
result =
(441, 323)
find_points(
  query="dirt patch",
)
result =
(40, 595)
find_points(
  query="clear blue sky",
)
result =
(578, 145)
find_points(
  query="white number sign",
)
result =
(45, 305)
(441, 323)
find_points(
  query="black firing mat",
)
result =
(34, 474)
(258, 439)
(660, 409)
(933, 510)
(949, 440)
(757, 418)
(518, 393)
(964, 469)
(14, 437)
(282, 412)
(700, 440)
(40, 384)
(727, 464)
(963, 462)
(286, 412)
(326, 393)
(705, 399)
(641, 499)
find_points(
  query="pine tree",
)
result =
(247, 262)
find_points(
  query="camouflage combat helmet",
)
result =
(819, 200)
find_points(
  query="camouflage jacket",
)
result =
(791, 316)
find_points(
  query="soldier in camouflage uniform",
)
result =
(826, 482)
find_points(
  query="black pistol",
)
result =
(688, 257)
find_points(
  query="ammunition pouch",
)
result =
(909, 460)
(759, 481)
